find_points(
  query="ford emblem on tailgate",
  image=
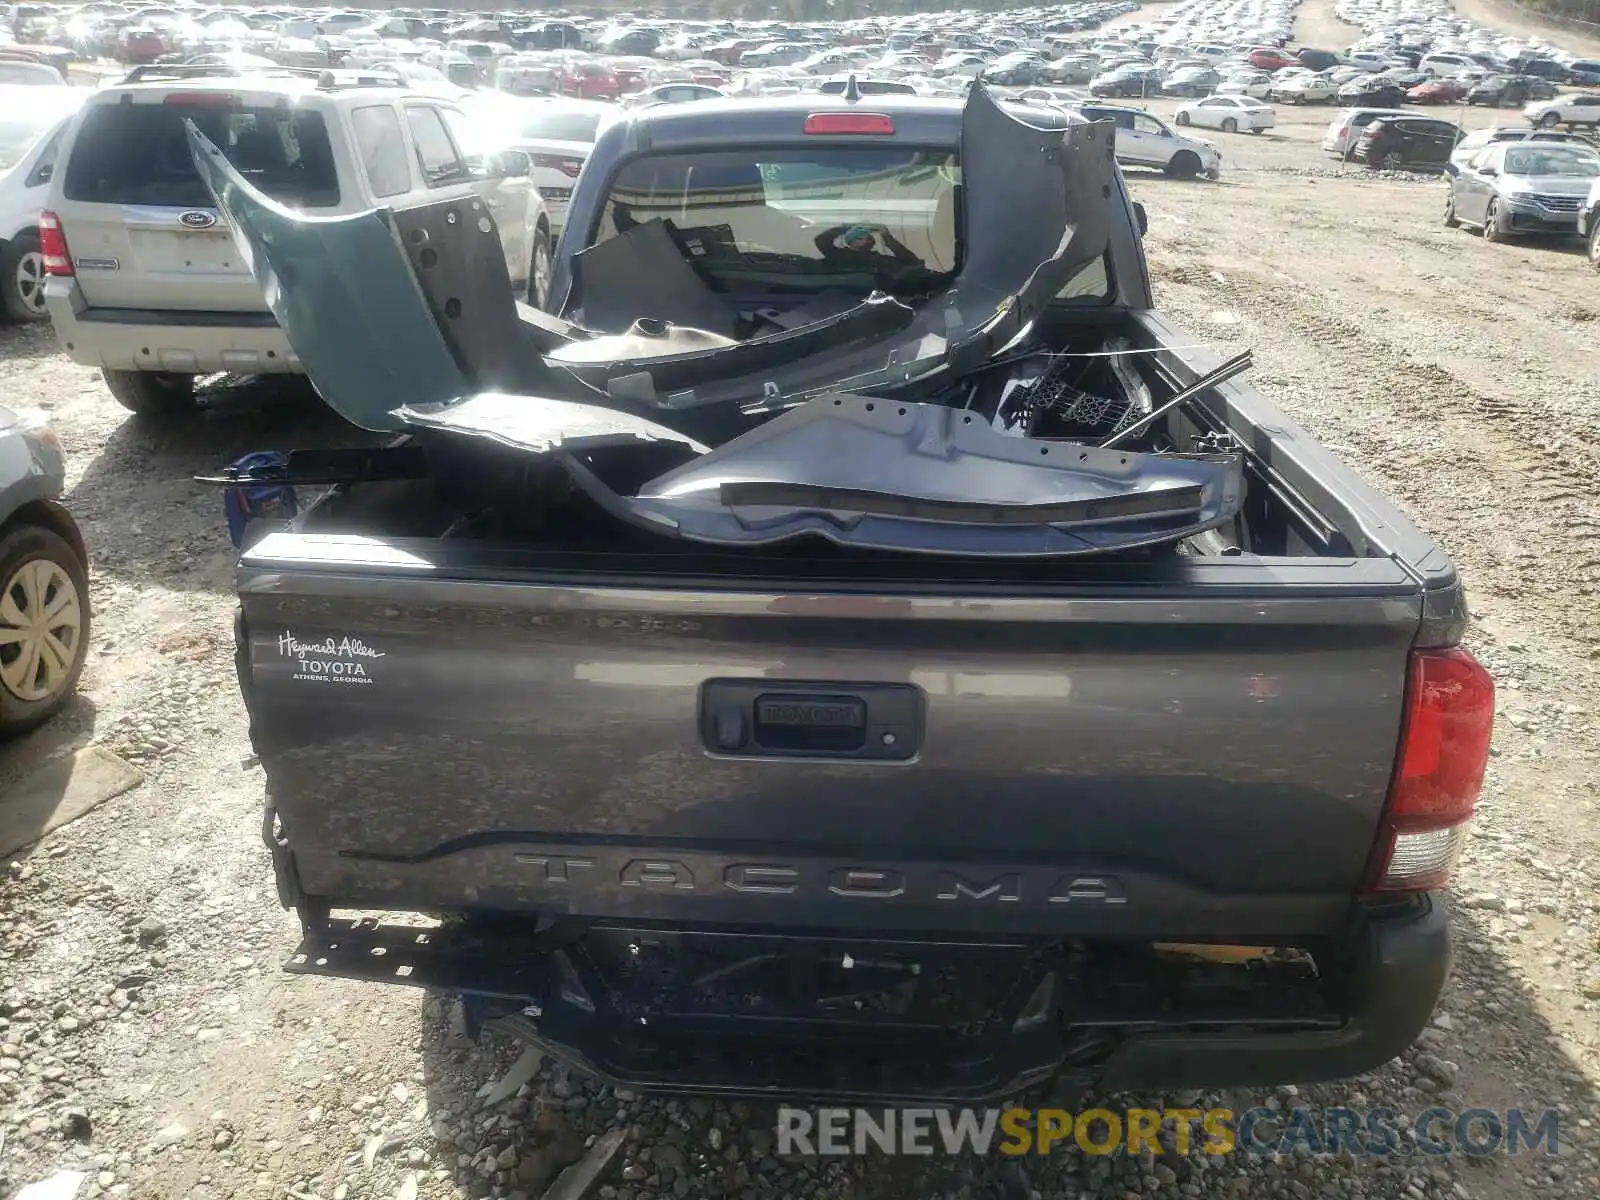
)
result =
(198, 219)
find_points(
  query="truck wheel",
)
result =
(151, 393)
(44, 625)
(540, 269)
(1183, 165)
(22, 279)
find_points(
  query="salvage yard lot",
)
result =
(148, 1037)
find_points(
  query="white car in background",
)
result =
(1231, 114)
(1066, 97)
(557, 134)
(1569, 110)
(1589, 223)
(684, 92)
(34, 73)
(1345, 130)
(32, 119)
(1307, 89)
(1256, 85)
(528, 73)
(1145, 140)
(1373, 60)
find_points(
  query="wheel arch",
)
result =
(47, 514)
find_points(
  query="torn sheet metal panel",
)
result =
(927, 478)
(341, 290)
(518, 453)
(539, 424)
(642, 273)
(375, 331)
(678, 358)
(459, 262)
(1036, 210)
(645, 343)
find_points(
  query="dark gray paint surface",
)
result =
(1219, 760)
(1200, 754)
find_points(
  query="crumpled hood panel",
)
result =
(871, 473)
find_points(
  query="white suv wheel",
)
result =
(29, 282)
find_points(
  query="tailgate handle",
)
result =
(768, 718)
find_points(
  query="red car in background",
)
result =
(708, 77)
(588, 80)
(138, 46)
(1270, 58)
(730, 52)
(629, 77)
(1437, 91)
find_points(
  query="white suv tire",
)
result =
(151, 393)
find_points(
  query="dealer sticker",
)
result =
(332, 660)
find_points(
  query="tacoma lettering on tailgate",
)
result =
(847, 882)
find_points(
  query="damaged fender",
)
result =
(344, 295)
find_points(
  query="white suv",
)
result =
(1345, 130)
(1145, 140)
(146, 283)
(1569, 110)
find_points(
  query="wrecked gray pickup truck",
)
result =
(852, 646)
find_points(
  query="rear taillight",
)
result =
(53, 245)
(570, 167)
(1444, 747)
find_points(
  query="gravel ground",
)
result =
(148, 1038)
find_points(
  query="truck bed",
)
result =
(938, 827)
(1187, 745)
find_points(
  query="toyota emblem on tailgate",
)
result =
(198, 219)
